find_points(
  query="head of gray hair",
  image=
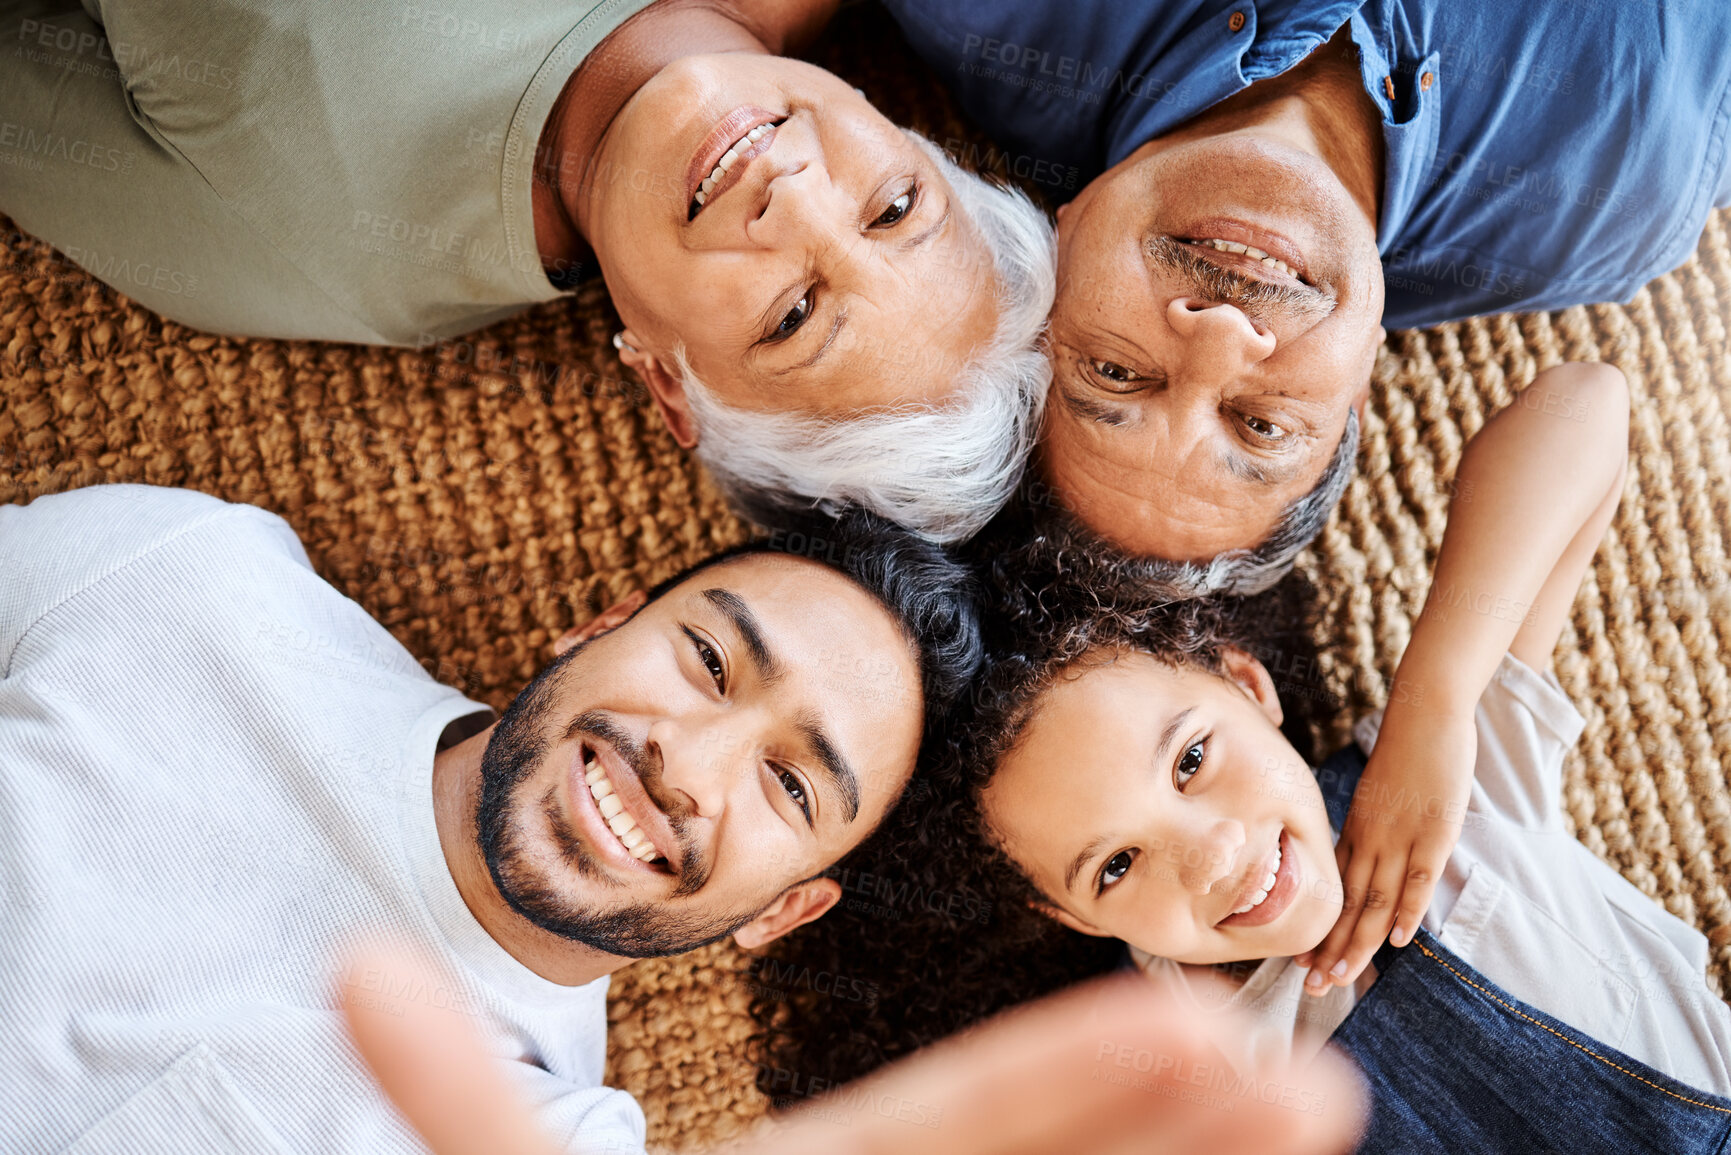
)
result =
(1151, 581)
(940, 470)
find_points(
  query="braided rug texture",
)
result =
(483, 495)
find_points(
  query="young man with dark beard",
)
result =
(217, 773)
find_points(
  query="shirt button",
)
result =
(1425, 81)
(1235, 22)
(1388, 86)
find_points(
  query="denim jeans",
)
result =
(1455, 1064)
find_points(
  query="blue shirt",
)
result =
(1539, 154)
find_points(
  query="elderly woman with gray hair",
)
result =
(820, 303)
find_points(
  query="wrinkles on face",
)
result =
(804, 285)
(1216, 320)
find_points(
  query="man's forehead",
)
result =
(1143, 511)
(809, 612)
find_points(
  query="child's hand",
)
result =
(1406, 817)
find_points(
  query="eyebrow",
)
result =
(1171, 731)
(1081, 860)
(1167, 734)
(835, 765)
(744, 622)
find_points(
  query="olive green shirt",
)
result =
(348, 171)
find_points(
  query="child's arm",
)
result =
(1534, 494)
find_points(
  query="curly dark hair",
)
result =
(936, 928)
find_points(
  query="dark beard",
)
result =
(514, 752)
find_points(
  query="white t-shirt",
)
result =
(216, 772)
(1528, 906)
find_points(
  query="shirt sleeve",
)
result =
(83, 167)
(1526, 725)
(581, 1120)
(57, 546)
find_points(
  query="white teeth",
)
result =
(1261, 895)
(728, 160)
(1252, 252)
(619, 820)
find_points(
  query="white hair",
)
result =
(940, 470)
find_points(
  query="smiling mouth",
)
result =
(624, 827)
(1260, 894)
(1266, 896)
(1248, 257)
(731, 165)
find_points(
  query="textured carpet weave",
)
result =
(482, 495)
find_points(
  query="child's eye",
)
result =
(1116, 868)
(1189, 763)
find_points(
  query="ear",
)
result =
(1251, 676)
(798, 905)
(1059, 915)
(665, 389)
(610, 618)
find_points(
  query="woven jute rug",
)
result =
(482, 495)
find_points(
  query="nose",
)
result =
(802, 209)
(1211, 855)
(700, 762)
(1219, 341)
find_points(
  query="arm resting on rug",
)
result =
(1534, 494)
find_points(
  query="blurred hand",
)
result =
(1110, 1068)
